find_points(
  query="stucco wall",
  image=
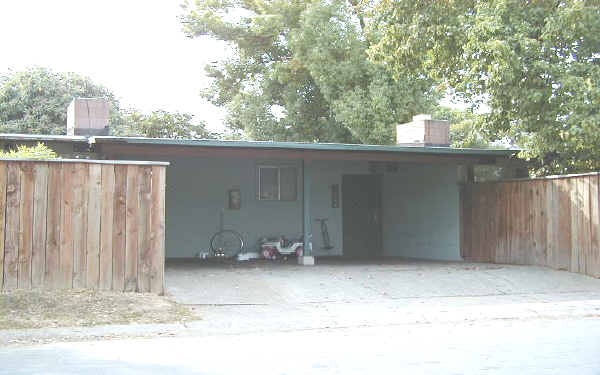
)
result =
(197, 192)
(420, 206)
(421, 212)
(325, 174)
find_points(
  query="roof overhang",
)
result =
(296, 150)
(140, 147)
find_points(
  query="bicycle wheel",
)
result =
(226, 243)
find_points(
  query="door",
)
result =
(361, 215)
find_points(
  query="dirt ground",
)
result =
(22, 309)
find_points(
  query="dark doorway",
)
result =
(361, 215)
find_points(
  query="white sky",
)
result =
(133, 47)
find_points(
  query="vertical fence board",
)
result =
(145, 224)
(512, 220)
(552, 224)
(106, 227)
(53, 226)
(487, 240)
(25, 225)
(11, 245)
(119, 225)
(520, 222)
(499, 230)
(66, 234)
(157, 237)
(80, 176)
(476, 240)
(131, 225)
(507, 221)
(540, 227)
(586, 237)
(491, 238)
(94, 214)
(548, 222)
(575, 230)
(82, 225)
(2, 218)
(564, 224)
(594, 256)
(40, 205)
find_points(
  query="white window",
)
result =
(277, 183)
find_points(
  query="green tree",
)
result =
(35, 101)
(300, 72)
(464, 127)
(535, 64)
(161, 124)
(39, 151)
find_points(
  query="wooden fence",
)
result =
(552, 222)
(82, 224)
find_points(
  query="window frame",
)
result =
(278, 168)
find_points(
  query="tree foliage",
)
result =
(162, 124)
(35, 101)
(535, 64)
(39, 151)
(299, 71)
(464, 127)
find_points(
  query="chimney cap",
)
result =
(420, 117)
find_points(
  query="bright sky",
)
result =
(134, 47)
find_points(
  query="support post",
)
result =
(307, 258)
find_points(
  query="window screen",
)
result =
(277, 183)
(268, 183)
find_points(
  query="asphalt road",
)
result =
(515, 346)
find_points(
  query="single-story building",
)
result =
(395, 200)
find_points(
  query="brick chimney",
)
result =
(88, 116)
(423, 131)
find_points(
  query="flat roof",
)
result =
(307, 146)
(303, 146)
(44, 138)
(89, 161)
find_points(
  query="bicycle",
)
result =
(226, 243)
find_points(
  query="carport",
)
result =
(398, 200)
(393, 201)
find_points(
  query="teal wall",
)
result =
(325, 174)
(197, 192)
(420, 206)
(421, 212)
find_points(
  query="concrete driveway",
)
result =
(343, 317)
(274, 296)
(338, 280)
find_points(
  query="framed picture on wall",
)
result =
(235, 199)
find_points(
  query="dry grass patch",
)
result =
(84, 308)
